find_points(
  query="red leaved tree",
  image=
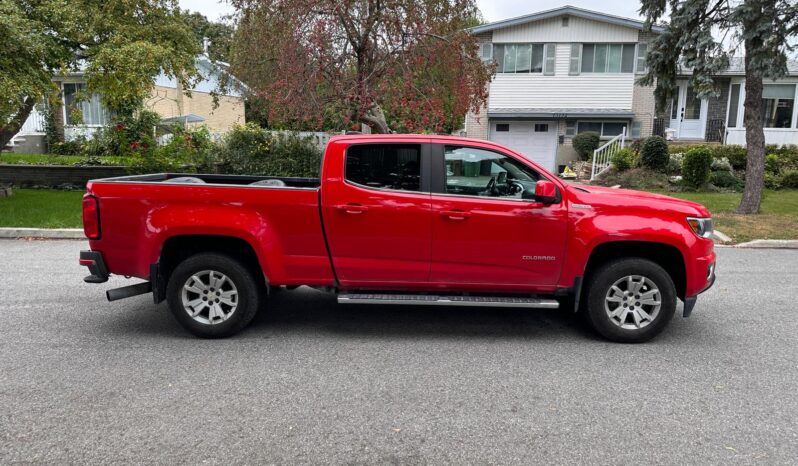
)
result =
(401, 65)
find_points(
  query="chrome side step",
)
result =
(433, 300)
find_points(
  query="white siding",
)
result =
(611, 90)
(778, 136)
(578, 30)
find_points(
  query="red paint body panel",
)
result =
(383, 239)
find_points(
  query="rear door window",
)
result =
(385, 166)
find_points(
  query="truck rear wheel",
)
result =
(630, 300)
(212, 295)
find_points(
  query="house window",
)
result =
(734, 104)
(608, 58)
(778, 101)
(518, 58)
(541, 128)
(606, 129)
(502, 127)
(486, 51)
(570, 128)
(91, 110)
(641, 66)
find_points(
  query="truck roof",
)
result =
(404, 137)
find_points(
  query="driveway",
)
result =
(87, 381)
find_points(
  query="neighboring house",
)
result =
(569, 70)
(167, 99)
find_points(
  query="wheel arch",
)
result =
(665, 255)
(177, 248)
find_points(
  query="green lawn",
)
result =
(778, 218)
(50, 159)
(42, 208)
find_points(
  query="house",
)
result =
(167, 99)
(569, 70)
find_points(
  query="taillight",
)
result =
(91, 217)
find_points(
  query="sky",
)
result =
(492, 10)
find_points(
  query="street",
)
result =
(87, 381)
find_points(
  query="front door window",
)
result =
(692, 105)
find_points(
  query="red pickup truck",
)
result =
(401, 219)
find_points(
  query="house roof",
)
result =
(560, 113)
(565, 11)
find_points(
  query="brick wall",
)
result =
(643, 101)
(476, 124)
(169, 102)
(54, 175)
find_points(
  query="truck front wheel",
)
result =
(630, 300)
(212, 295)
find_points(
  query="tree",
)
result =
(761, 27)
(121, 45)
(218, 33)
(391, 64)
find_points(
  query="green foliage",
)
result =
(188, 150)
(726, 179)
(696, 166)
(772, 164)
(790, 180)
(675, 164)
(219, 34)
(721, 164)
(635, 178)
(772, 181)
(654, 154)
(623, 160)
(736, 155)
(585, 143)
(251, 150)
(122, 45)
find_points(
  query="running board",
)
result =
(432, 300)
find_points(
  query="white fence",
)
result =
(319, 138)
(603, 155)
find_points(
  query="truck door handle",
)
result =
(353, 208)
(455, 214)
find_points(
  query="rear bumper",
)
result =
(94, 261)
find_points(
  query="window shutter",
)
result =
(576, 59)
(641, 58)
(551, 59)
(486, 51)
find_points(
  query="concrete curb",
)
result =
(49, 233)
(769, 244)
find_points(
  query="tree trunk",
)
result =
(754, 141)
(375, 118)
(9, 130)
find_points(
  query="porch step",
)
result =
(456, 300)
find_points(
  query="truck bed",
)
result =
(211, 179)
(139, 214)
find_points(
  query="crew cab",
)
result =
(401, 220)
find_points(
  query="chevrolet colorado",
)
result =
(401, 219)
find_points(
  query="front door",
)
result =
(688, 113)
(484, 234)
(377, 218)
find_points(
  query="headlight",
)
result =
(701, 226)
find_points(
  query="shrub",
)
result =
(726, 179)
(74, 147)
(585, 143)
(736, 155)
(675, 164)
(721, 165)
(772, 164)
(772, 181)
(636, 178)
(623, 160)
(654, 154)
(790, 180)
(696, 165)
(252, 150)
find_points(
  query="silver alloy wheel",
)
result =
(209, 297)
(633, 302)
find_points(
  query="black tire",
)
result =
(242, 278)
(600, 284)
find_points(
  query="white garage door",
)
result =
(536, 140)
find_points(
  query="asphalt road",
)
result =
(87, 381)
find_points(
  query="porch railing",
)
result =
(34, 124)
(602, 155)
